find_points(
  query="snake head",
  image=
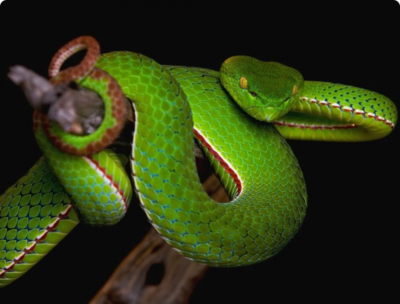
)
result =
(264, 90)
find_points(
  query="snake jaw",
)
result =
(271, 114)
(267, 114)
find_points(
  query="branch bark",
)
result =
(76, 110)
(133, 281)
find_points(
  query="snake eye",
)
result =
(253, 94)
(294, 91)
(243, 82)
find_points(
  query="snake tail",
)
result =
(95, 79)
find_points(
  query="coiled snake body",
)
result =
(172, 105)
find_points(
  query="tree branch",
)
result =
(76, 110)
(136, 279)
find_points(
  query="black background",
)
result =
(347, 248)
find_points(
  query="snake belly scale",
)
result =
(172, 105)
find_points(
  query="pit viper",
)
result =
(240, 116)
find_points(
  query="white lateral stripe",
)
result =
(30, 247)
(105, 178)
(227, 162)
(17, 257)
(63, 213)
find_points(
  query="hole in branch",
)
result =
(155, 274)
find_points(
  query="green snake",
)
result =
(80, 179)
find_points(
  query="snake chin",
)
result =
(267, 114)
(272, 114)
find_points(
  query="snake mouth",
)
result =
(272, 114)
(268, 113)
(263, 113)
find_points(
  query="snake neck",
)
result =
(336, 112)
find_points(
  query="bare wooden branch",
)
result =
(76, 110)
(128, 284)
(179, 276)
(34, 86)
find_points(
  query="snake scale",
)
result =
(80, 179)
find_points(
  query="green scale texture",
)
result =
(256, 224)
(26, 210)
(305, 112)
(95, 197)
